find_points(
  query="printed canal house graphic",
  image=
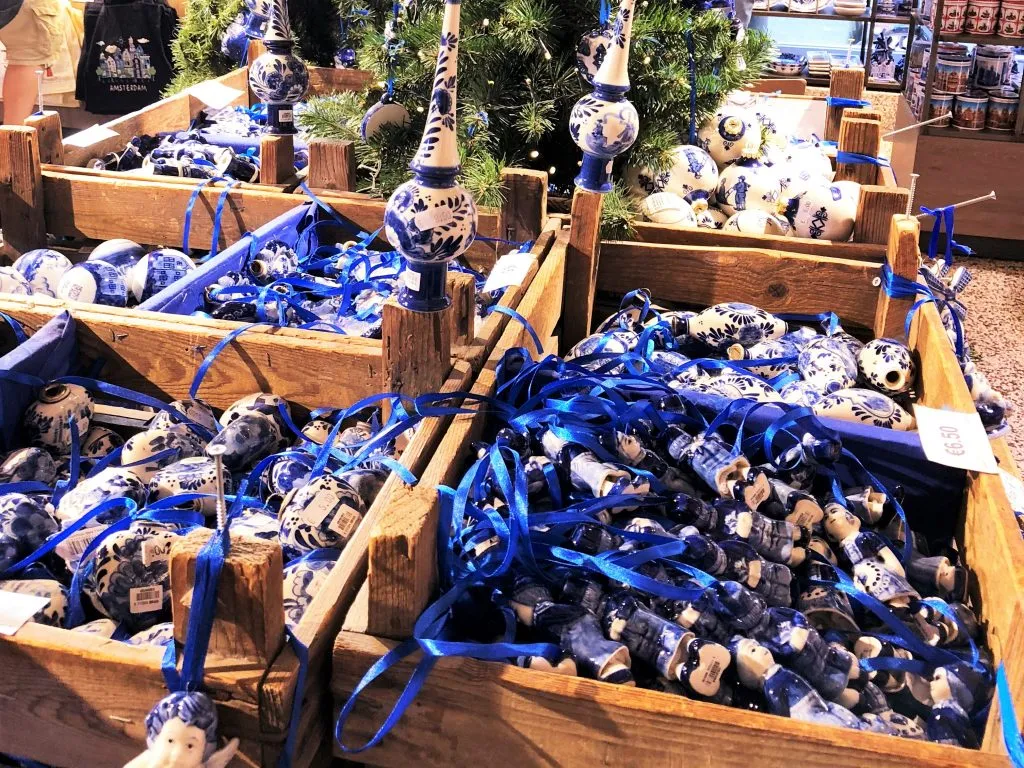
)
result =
(120, 62)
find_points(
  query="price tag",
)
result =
(146, 599)
(318, 508)
(955, 439)
(89, 136)
(1014, 491)
(411, 279)
(510, 269)
(345, 522)
(285, 116)
(437, 216)
(74, 545)
(215, 95)
(17, 608)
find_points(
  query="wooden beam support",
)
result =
(526, 204)
(863, 137)
(462, 290)
(332, 165)
(904, 258)
(277, 158)
(581, 266)
(845, 83)
(875, 209)
(417, 348)
(49, 132)
(21, 190)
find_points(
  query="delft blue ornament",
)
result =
(828, 364)
(142, 450)
(247, 439)
(758, 222)
(591, 52)
(604, 124)
(28, 465)
(386, 112)
(159, 635)
(668, 208)
(197, 474)
(866, 407)
(693, 176)
(54, 612)
(119, 252)
(746, 185)
(110, 483)
(734, 322)
(345, 58)
(274, 261)
(256, 523)
(825, 211)
(100, 443)
(887, 365)
(196, 411)
(324, 512)
(278, 77)
(94, 282)
(258, 402)
(286, 474)
(731, 134)
(181, 731)
(43, 269)
(25, 523)
(99, 627)
(302, 580)
(46, 420)
(234, 43)
(257, 17)
(13, 282)
(157, 270)
(430, 219)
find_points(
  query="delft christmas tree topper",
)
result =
(278, 77)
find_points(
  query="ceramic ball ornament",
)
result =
(604, 124)
(825, 211)
(591, 52)
(731, 134)
(278, 77)
(746, 185)
(668, 208)
(693, 175)
(757, 222)
(12, 281)
(43, 269)
(157, 270)
(431, 219)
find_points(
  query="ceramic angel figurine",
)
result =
(181, 732)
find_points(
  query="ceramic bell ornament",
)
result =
(278, 77)
(431, 219)
(604, 124)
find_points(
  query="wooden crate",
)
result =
(69, 699)
(468, 711)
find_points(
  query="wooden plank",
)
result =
(21, 190)
(402, 558)
(845, 83)
(875, 209)
(526, 204)
(904, 258)
(429, 335)
(581, 266)
(462, 290)
(277, 158)
(190, 183)
(332, 165)
(863, 137)
(327, 80)
(469, 711)
(791, 86)
(776, 281)
(48, 130)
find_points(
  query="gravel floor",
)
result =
(995, 329)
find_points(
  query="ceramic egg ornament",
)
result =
(43, 269)
(746, 185)
(825, 211)
(758, 222)
(47, 420)
(668, 208)
(887, 365)
(431, 219)
(732, 133)
(278, 77)
(693, 175)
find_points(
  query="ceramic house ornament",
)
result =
(278, 77)
(181, 732)
(604, 124)
(431, 219)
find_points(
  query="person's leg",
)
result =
(20, 93)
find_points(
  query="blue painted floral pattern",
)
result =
(410, 216)
(25, 523)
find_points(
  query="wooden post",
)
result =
(462, 289)
(863, 137)
(875, 209)
(255, 50)
(249, 620)
(847, 83)
(277, 159)
(332, 165)
(21, 190)
(526, 204)
(581, 262)
(50, 135)
(417, 348)
(903, 257)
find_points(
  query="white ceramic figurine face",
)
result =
(178, 745)
(753, 660)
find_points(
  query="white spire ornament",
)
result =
(604, 124)
(278, 77)
(430, 219)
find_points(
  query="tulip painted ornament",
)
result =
(431, 219)
(278, 77)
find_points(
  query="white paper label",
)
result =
(17, 608)
(1014, 491)
(412, 279)
(318, 508)
(215, 95)
(345, 522)
(74, 545)
(285, 116)
(955, 439)
(145, 599)
(433, 217)
(155, 550)
(510, 269)
(659, 202)
(91, 135)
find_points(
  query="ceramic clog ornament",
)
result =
(142, 451)
(758, 222)
(197, 474)
(867, 407)
(43, 269)
(431, 219)
(668, 208)
(693, 173)
(887, 365)
(94, 282)
(25, 523)
(28, 465)
(734, 323)
(780, 349)
(109, 483)
(825, 211)
(302, 580)
(323, 513)
(746, 185)
(46, 420)
(259, 402)
(195, 411)
(181, 731)
(828, 364)
(13, 282)
(278, 77)
(54, 612)
(604, 124)
(732, 133)
(247, 439)
(157, 270)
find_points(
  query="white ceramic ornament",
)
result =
(12, 281)
(43, 269)
(748, 185)
(668, 208)
(757, 222)
(591, 52)
(733, 132)
(693, 175)
(181, 732)
(712, 218)
(887, 365)
(381, 114)
(825, 211)
(866, 407)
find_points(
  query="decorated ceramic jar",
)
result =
(197, 474)
(941, 104)
(980, 17)
(732, 133)
(94, 282)
(887, 365)
(758, 222)
(866, 407)
(693, 175)
(1011, 19)
(46, 420)
(952, 73)
(302, 580)
(142, 451)
(825, 211)
(668, 208)
(278, 77)
(54, 612)
(109, 483)
(591, 52)
(748, 185)
(157, 270)
(25, 523)
(970, 111)
(43, 269)
(604, 124)
(734, 323)
(954, 13)
(1002, 110)
(325, 512)
(28, 465)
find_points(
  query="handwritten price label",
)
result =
(955, 439)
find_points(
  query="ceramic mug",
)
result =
(970, 110)
(941, 104)
(990, 69)
(1002, 110)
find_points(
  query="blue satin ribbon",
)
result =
(187, 227)
(944, 219)
(855, 158)
(839, 101)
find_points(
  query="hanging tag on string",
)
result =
(510, 269)
(17, 608)
(955, 439)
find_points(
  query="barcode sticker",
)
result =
(17, 608)
(318, 508)
(510, 269)
(74, 545)
(345, 522)
(955, 439)
(146, 599)
(433, 217)
(89, 136)
(215, 95)
(155, 550)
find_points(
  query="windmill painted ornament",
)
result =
(431, 219)
(604, 124)
(278, 77)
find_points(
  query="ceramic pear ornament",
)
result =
(181, 732)
(278, 77)
(431, 219)
(604, 124)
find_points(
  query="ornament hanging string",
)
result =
(605, 13)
